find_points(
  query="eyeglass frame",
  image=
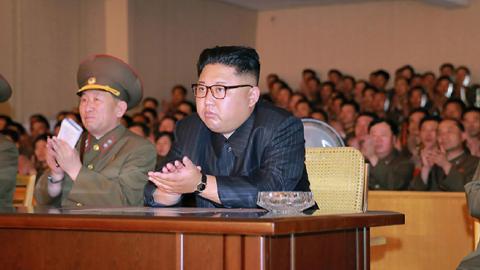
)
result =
(211, 91)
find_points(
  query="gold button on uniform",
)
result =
(90, 166)
(96, 147)
(79, 204)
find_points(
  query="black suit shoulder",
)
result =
(270, 114)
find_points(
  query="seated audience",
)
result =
(428, 140)
(453, 108)
(449, 167)
(389, 169)
(471, 122)
(348, 115)
(163, 144)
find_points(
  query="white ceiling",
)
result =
(262, 5)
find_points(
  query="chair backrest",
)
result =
(24, 190)
(338, 178)
(320, 134)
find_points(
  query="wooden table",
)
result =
(185, 238)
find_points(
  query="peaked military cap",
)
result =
(110, 74)
(5, 89)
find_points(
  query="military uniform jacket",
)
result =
(463, 168)
(391, 173)
(8, 170)
(114, 172)
(472, 189)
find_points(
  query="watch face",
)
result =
(201, 187)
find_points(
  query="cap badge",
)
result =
(92, 80)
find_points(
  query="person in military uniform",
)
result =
(109, 164)
(390, 170)
(472, 189)
(8, 155)
(451, 166)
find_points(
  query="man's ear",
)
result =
(121, 108)
(253, 96)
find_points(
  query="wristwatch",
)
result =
(202, 185)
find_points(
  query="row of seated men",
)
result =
(422, 162)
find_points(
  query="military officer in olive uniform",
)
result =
(8, 155)
(449, 168)
(109, 165)
(390, 170)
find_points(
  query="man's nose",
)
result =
(209, 98)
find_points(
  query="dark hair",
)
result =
(447, 65)
(286, 87)
(42, 119)
(127, 119)
(467, 70)
(428, 73)
(457, 123)
(188, 103)
(145, 119)
(328, 83)
(150, 110)
(317, 80)
(164, 133)
(383, 73)
(281, 82)
(309, 70)
(168, 116)
(322, 112)
(17, 127)
(349, 77)
(427, 118)
(42, 137)
(369, 87)
(11, 133)
(181, 87)
(409, 67)
(457, 101)
(416, 88)
(273, 75)
(335, 71)
(145, 128)
(418, 110)
(304, 101)
(470, 109)
(353, 104)
(243, 59)
(152, 99)
(368, 114)
(178, 113)
(390, 123)
(7, 119)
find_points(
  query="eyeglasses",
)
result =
(218, 91)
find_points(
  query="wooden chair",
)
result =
(24, 190)
(338, 178)
(339, 181)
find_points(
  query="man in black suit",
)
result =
(234, 146)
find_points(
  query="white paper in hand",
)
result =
(70, 132)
